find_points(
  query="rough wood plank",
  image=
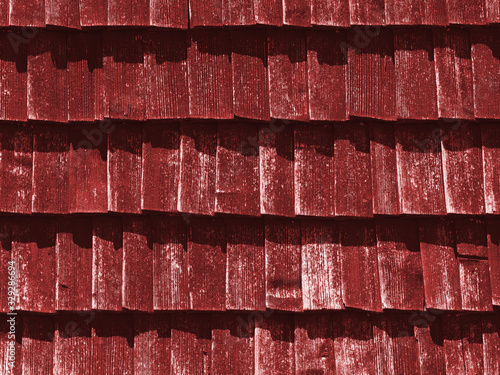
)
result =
(152, 344)
(37, 344)
(400, 264)
(269, 12)
(466, 12)
(238, 175)
(364, 12)
(250, 76)
(93, 13)
(197, 171)
(137, 285)
(107, 263)
(9, 341)
(4, 12)
(493, 233)
(6, 273)
(297, 12)
(160, 166)
(205, 13)
(165, 64)
(416, 12)
(475, 285)
(170, 263)
(490, 137)
(440, 265)
(125, 168)
(321, 268)
(359, 267)
(65, 13)
(430, 344)
(238, 12)
(472, 344)
(128, 12)
(283, 265)
(287, 62)
(491, 344)
(246, 275)
(492, 10)
(31, 14)
(452, 344)
(74, 264)
(169, 13)
(330, 13)
(471, 237)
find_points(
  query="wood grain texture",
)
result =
(491, 344)
(4, 12)
(73, 254)
(326, 75)
(93, 13)
(128, 12)
(169, 13)
(363, 12)
(205, 13)
(416, 12)
(297, 12)
(238, 12)
(27, 14)
(160, 167)
(493, 230)
(475, 285)
(269, 12)
(330, 13)
(5, 257)
(471, 237)
(400, 264)
(283, 265)
(314, 170)
(37, 344)
(492, 10)
(152, 344)
(490, 138)
(430, 344)
(64, 13)
(466, 12)
(416, 95)
(287, 64)
(472, 344)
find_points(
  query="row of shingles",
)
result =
(203, 343)
(163, 263)
(283, 169)
(304, 13)
(288, 74)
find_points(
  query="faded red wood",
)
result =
(453, 63)
(416, 95)
(125, 168)
(326, 74)
(47, 77)
(191, 344)
(160, 166)
(93, 13)
(73, 254)
(287, 62)
(492, 10)
(37, 344)
(430, 343)
(490, 137)
(400, 264)
(250, 75)
(169, 13)
(123, 83)
(33, 251)
(107, 267)
(493, 233)
(206, 254)
(420, 176)
(8, 341)
(466, 12)
(238, 12)
(165, 64)
(475, 284)
(297, 12)
(87, 186)
(416, 12)
(364, 12)
(283, 265)
(452, 345)
(353, 184)
(275, 142)
(491, 344)
(330, 13)
(371, 79)
(209, 78)
(485, 67)
(137, 264)
(268, 12)
(152, 344)
(30, 14)
(440, 265)
(197, 171)
(128, 12)
(314, 170)
(462, 169)
(205, 13)
(4, 12)
(321, 265)
(50, 169)
(64, 13)
(7, 272)
(170, 263)
(472, 344)
(359, 266)
(471, 237)
(237, 177)
(16, 165)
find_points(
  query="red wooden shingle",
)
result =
(314, 170)
(246, 267)
(137, 264)
(416, 96)
(107, 263)
(50, 169)
(250, 76)
(37, 344)
(493, 230)
(160, 166)
(283, 265)
(466, 12)
(11, 342)
(74, 264)
(371, 80)
(128, 12)
(16, 163)
(169, 13)
(4, 12)
(238, 12)
(33, 251)
(30, 14)
(170, 263)
(152, 344)
(485, 67)
(430, 344)
(209, 74)
(475, 284)
(353, 185)
(452, 345)
(123, 83)
(490, 136)
(400, 264)
(6, 258)
(330, 12)
(358, 257)
(321, 268)
(491, 344)
(276, 169)
(462, 169)
(472, 344)
(207, 264)
(237, 176)
(363, 12)
(492, 10)
(416, 12)
(440, 265)
(420, 176)
(205, 13)
(297, 12)
(453, 63)
(287, 74)
(471, 237)
(269, 12)
(87, 186)
(93, 13)
(124, 168)
(326, 74)
(165, 64)
(72, 343)
(197, 171)
(47, 77)
(64, 13)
